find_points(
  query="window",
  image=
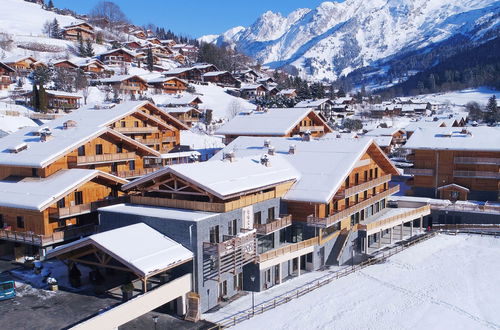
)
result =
(131, 165)
(371, 173)
(365, 194)
(376, 172)
(356, 178)
(20, 222)
(144, 123)
(257, 218)
(223, 289)
(214, 234)
(356, 198)
(365, 176)
(336, 206)
(136, 124)
(78, 197)
(98, 149)
(34, 172)
(309, 257)
(347, 182)
(283, 236)
(347, 202)
(238, 282)
(1, 221)
(270, 214)
(119, 148)
(265, 243)
(232, 227)
(81, 151)
(114, 167)
(268, 275)
(61, 203)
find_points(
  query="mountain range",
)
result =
(337, 38)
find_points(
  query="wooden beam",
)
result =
(101, 265)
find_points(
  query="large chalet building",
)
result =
(82, 30)
(6, 73)
(455, 163)
(102, 146)
(285, 122)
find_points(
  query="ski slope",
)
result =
(447, 282)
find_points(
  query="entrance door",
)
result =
(277, 274)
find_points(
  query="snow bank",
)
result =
(222, 104)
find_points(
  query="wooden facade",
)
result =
(187, 116)
(221, 78)
(131, 85)
(117, 57)
(169, 86)
(66, 64)
(83, 30)
(5, 75)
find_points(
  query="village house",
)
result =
(288, 93)
(6, 72)
(433, 123)
(58, 100)
(205, 67)
(252, 91)
(221, 78)
(299, 206)
(388, 139)
(455, 163)
(190, 51)
(118, 57)
(94, 67)
(275, 122)
(169, 43)
(168, 85)
(248, 76)
(23, 65)
(126, 84)
(65, 64)
(185, 100)
(133, 45)
(188, 115)
(189, 74)
(83, 29)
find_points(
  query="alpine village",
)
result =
(148, 179)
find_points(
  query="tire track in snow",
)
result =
(424, 296)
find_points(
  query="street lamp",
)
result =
(155, 319)
(252, 278)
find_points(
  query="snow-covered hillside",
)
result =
(446, 282)
(479, 95)
(336, 38)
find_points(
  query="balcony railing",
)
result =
(476, 174)
(419, 171)
(106, 158)
(136, 130)
(477, 160)
(42, 240)
(135, 173)
(272, 226)
(169, 139)
(304, 129)
(356, 207)
(363, 186)
(406, 216)
(148, 142)
(399, 140)
(287, 249)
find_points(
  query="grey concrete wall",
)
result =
(457, 217)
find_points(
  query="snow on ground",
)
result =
(480, 95)
(11, 124)
(222, 104)
(447, 282)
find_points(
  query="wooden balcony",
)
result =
(477, 160)
(287, 249)
(396, 219)
(169, 139)
(75, 210)
(43, 240)
(105, 158)
(476, 174)
(312, 129)
(275, 225)
(410, 157)
(363, 186)
(148, 142)
(203, 206)
(419, 171)
(135, 173)
(137, 130)
(356, 207)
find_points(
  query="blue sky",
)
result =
(194, 17)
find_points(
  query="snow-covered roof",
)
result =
(456, 138)
(17, 58)
(63, 94)
(90, 123)
(225, 179)
(179, 100)
(6, 67)
(251, 86)
(322, 164)
(163, 79)
(286, 91)
(120, 78)
(275, 121)
(131, 53)
(424, 123)
(214, 73)
(179, 109)
(312, 103)
(381, 131)
(204, 66)
(383, 141)
(177, 71)
(39, 193)
(139, 247)
(158, 212)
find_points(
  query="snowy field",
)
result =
(447, 282)
(479, 95)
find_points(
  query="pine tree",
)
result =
(492, 113)
(51, 4)
(89, 50)
(81, 46)
(149, 60)
(35, 99)
(56, 30)
(42, 97)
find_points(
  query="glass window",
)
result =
(265, 243)
(257, 218)
(131, 165)
(376, 172)
(283, 236)
(123, 124)
(78, 197)
(214, 234)
(1, 221)
(270, 214)
(61, 203)
(347, 182)
(356, 178)
(81, 151)
(232, 227)
(20, 222)
(119, 148)
(98, 149)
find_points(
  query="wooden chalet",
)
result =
(118, 56)
(183, 101)
(58, 100)
(65, 64)
(133, 45)
(169, 43)
(252, 92)
(84, 30)
(5, 75)
(168, 85)
(288, 93)
(154, 41)
(275, 122)
(188, 115)
(388, 139)
(126, 84)
(188, 74)
(139, 34)
(247, 76)
(205, 68)
(456, 163)
(93, 67)
(21, 64)
(63, 208)
(221, 78)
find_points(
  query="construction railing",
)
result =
(134, 173)
(357, 207)
(286, 297)
(413, 214)
(105, 158)
(41, 240)
(363, 186)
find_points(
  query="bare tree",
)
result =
(110, 11)
(5, 41)
(234, 109)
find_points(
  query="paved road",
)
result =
(165, 321)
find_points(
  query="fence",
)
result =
(313, 285)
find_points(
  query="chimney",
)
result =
(291, 151)
(264, 160)
(271, 150)
(45, 136)
(267, 143)
(306, 136)
(230, 156)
